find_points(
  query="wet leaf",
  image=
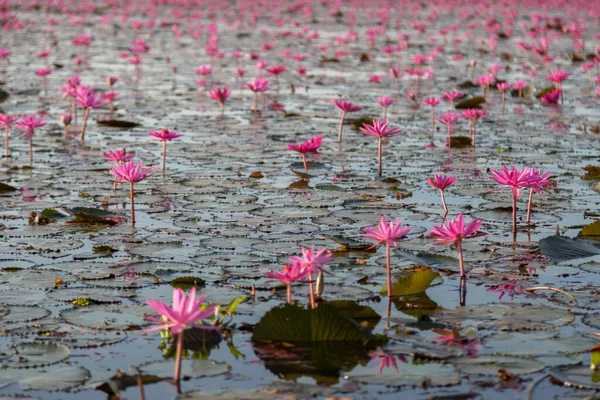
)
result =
(116, 123)
(107, 317)
(4, 188)
(563, 249)
(292, 323)
(592, 173)
(31, 355)
(196, 368)
(577, 376)
(474, 102)
(461, 142)
(48, 379)
(429, 374)
(412, 281)
(188, 282)
(592, 229)
(489, 365)
(504, 317)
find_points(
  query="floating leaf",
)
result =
(412, 281)
(474, 102)
(188, 282)
(563, 249)
(329, 187)
(31, 355)
(196, 368)
(461, 142)
(577, 376)
(4, 188)
(48, 379)
(501, 316)
(592, 229)
(108, 317)
(429, 374)
(489, 365)
(292, 323)
(117, 123)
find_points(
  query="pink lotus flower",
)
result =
(276, 71)
(453, 95)
(111, 80)
(552, 97)
(313, 261)
(308, 146)
(28, 124)
(291, 273)
(129, 172)
(204, 70)
(516, 180)
(88, 99)
(185, 312)
(258, 85)
(449, 119)
(379, 129)
(520, 85)
(503, 87)
(6, 121)
(441, 182)
(388, 233)
(385, 102)
(43, 72)
(66, 120)
(454, 231)
(375, 78)
(220, 95)
(165, 136)
(346, 107)
(117, 156)
(387, 360)
(511, 287)
(538, 181)
(473, 115)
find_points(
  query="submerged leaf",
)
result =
(116, 123)
(563, 249)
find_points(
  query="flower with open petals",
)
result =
(129, 172)
(345, 106)
(219, 95)
(454, 231)
(551, 97)
(387, 232)
(515, 179)
(185, 312)
(313, 260)
(117, 156)
(379, 129)
(258, 85)
(28, 123)
(290, 274)
(449, 119)
(311, 145)
(165, 135)
(431, 101)
(385, 101)
(441, 182)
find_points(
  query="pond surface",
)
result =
(234, 203)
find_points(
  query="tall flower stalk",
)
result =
(380, 130)
(129, 172)
(346, 107)
(387, 233)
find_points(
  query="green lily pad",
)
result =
(196, 368)
(565, 249)
(107, 317)
(48, 379)
(506, 317)
(474, 102)
(4, 188)
(592, 230)
(577, 376)
(489, 365)
(31, 355)
(412, 281)
(292, 323)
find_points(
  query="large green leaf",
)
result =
(412, 281)
(592, 230)
(292, 323)
(564, 249)
(474, 102)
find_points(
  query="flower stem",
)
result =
(341, 125)
(164, 160)
(461, 264)
(132, 205)
(255, 102)
(178, 357)
(6, 150)
(444, 201)
(289, 293)
(311, 288)
(31, 151)
(449, 137)
(385, 113)
(86, 113)
(304, 161)
(388, 264)
(514, 214)
(529, 206)
(432, 121)
(379, 167)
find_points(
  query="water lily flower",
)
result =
(309, 146)
(454, 231)
(185, 312)
(379, 129)
(387, 233)
(346, 107)
(165, 136)
(129, 172)
(441, 182)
